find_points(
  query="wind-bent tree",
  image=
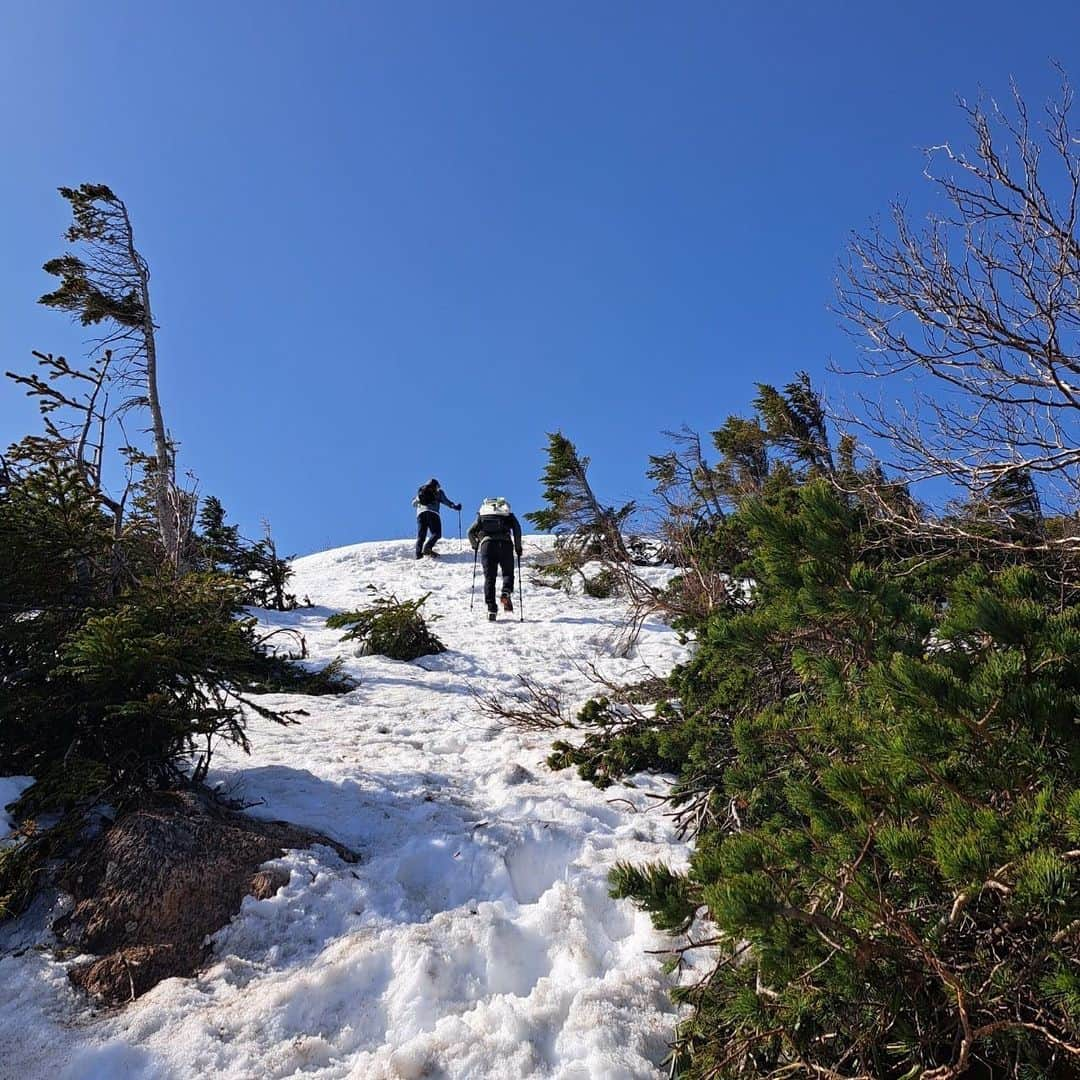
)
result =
(106, 281)
(980, 311)
(74, 406)
(585, 526)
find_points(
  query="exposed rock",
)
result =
(267, 882)
(167, 874)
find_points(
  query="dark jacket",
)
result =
(434, 504)
(499, 527)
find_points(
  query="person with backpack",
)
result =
(496, 536)
(427, 502)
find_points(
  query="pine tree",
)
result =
(882, 769)
(785, 443)
(573, 510)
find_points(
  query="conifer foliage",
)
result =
(877, 756)
(126, 653)
(875, 738)
(106, 658)
(255, 563)
(882, 782)
(390, 627)
(586, 529)
(890, 845)
(104, 280)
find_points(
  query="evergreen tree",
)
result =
(267, 574)
(1011, 507)
(219, 544)
(257, 565)
(120, 667)
(106, 281)
(586, 530)
(881, 769)
(390, 627)
(132, 673)
(585, 527)
(767, 455)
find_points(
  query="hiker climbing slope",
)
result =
(496, 536)
(427, 502)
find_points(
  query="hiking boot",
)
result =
(433, 554)
(507, 603)
(491, 616)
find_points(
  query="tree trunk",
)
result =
(164, 480)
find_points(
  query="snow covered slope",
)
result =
(475, 938)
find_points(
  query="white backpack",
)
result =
(494, 506)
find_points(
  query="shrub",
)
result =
(142, 685)
(883, 786)
(602, 586)
(390, 627)
(108, 658)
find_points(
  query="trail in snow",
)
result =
(475, 939)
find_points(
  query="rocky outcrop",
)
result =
(168, 873)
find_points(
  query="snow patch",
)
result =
(475, 939)
(11, 787)
(539, 859)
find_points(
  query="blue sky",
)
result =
(402, 239)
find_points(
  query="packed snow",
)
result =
(474, 939)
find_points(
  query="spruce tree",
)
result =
(105, 281)
(257, 565)
(219, 544)
(585, 529)
(268, 574)
(121, 667)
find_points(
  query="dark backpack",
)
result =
(428, 493)
(495, 526)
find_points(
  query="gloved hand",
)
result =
(457, 506)
(517, 552)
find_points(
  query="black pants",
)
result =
(427, 521)
(497, 555)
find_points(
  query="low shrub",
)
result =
(602, 586)
(882, 788)
(390, 627)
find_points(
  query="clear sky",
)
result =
(401, 239)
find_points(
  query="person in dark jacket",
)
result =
(496, 536)
(427, 502)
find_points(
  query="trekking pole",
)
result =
(459, 528)
(521, 593)
(472, 589)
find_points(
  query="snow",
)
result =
(475, 938)
(11, 787)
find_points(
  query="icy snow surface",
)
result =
(474, 939)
